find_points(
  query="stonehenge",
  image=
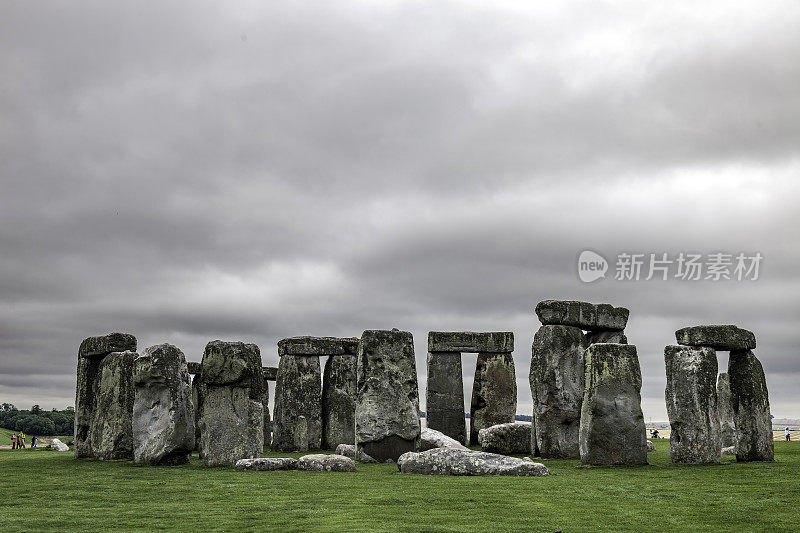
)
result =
(726, 418)
(557, 371)
(163, 413)
(387, 420)
(230, 401)
(612, 428)
(104, 397)
(692, 406)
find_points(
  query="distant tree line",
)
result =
(36, 421)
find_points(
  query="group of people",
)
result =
(18, 441)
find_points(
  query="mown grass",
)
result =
(43, 490)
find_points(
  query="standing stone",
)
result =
(387, 405)
(726, 418)
(298, 393)
(691, 397)
(750, 400)
(265, 405)
(95, 379)
(556, 378)
(612, 425)
(231, 394)
(163, 413)
(494, 393)
(197, 408)
(339, 401)
(444, 396)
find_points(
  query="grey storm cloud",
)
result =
(187, 171)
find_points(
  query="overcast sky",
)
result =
(189, 171)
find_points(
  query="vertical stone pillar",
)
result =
(230, 396)
(726, 418)
(612, 428)
(265, 405)
(339, 383)
(104, 397)
(494, 393)
(387, 405)
(444, 397)
(557, 382)
(750, 400)
(691, 397)
(298, 393)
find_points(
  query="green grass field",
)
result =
(43, 490)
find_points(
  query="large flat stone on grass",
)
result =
(456, 462)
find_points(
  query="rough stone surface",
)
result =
(456, 462)
(104, 408)
(650, 446)
(349, 450)
(265, 405)
(193, 367)
(196, 404)
(90, 355)
(298, 404)
(387, 405)
(105, 344)
(266, 463)
(584, 315)
(615, 337)
(506, 438)
(556, 379)
(431, 438)
(317, 346)
(727, 421)
(691, 397)
(612, 425)
(163, 413)
(270, 373)
(494, 393)
(471, 341)
(59, 446)
(339, 401)
(444, 395)
(729, 450)
(750, 400)
(230, 402)
(723, 338)
(320, 462)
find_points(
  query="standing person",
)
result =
(14, 441)
(33, 441)
(788, 437)
(20, 440)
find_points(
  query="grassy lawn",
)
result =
(43, 490)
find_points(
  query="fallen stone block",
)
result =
(349, 450)
(266, 463)
(320, 462)
(650, 446)
(456, 462)
(430, 439)
(506, 438)
(59, 446)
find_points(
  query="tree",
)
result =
(35, 410)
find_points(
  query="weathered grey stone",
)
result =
(193, 367)
(457, 462)
(727, 421)
(750, 400)
(614, 337)
(556, 379)
(105, 344)
(163, 413)
(230, 402)
(506, 438)
(298, 404)
(265, 405)
(320, 462)
(584, 315)
(612, 425)
(266, 463)
(494, 393)
(339, 401)
(196, 404)
(729, 450)
(59, 446)
(444, 395)
(387, 405)
(349, 450)
(111, 433)
(430, 438)
(471, 341)
(650, 446)
(90, 354)
(317, 346)
(691, 397)
(723, 338)
(270, 373)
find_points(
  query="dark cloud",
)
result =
(252, 172)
